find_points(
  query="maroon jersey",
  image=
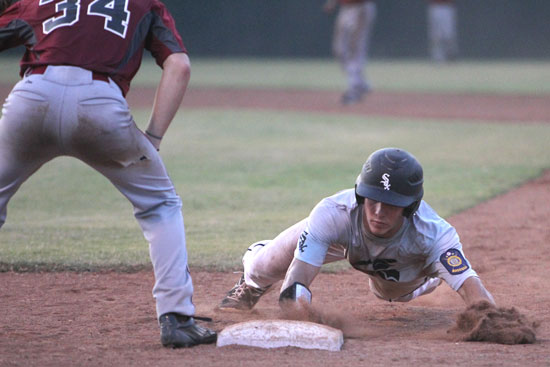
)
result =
(105, 36)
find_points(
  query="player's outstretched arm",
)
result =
(472, 291)
(297, 280)
(176, 73)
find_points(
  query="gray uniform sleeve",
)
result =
(446, 259)
(323, 227)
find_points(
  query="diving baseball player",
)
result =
(382, 227)
(350, 43)
(80, 58)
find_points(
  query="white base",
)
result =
(282, 333)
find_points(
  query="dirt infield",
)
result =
(107, 319)
(504, 108)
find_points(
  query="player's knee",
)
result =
(165, 207)
(253, 271)
(260, 273)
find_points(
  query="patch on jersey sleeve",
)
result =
(454, 261)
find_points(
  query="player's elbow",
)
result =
(178, 66)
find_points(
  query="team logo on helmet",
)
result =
(386, 181)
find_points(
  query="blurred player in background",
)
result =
(442, 30)
(80, 58)
(350, 44)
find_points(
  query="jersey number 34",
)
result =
(115, 12)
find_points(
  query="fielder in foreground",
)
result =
(80, 58)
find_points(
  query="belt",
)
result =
(41, 69)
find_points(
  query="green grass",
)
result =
(246, 175)
(518, 77)
(503, 77)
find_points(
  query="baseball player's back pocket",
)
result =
(28, 95)
(24, 102)
(23, 115)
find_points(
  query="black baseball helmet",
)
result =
(391, 176)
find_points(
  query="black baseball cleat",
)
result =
(180, 331)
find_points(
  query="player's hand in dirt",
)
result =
(483, 321)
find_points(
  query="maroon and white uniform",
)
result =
(91, 34)
(80, 58)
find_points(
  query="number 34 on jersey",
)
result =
(115, 12)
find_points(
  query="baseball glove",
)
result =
(483, 321)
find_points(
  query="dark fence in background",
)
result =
(488, 29)
(298, 28)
